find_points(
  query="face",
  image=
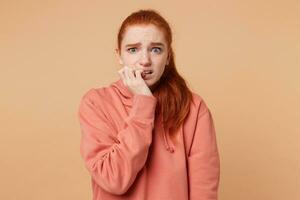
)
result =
(144, 45)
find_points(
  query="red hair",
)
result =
(173, 95)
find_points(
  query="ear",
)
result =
(118, 54)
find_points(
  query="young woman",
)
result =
(147, 135)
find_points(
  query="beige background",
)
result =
(242, 57)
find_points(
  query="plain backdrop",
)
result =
(242, 57)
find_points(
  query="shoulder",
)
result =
(198, 107)
(97, 95)
(199, 104)
(95, 101)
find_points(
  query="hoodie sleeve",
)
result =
(114, 160)
(203, 160)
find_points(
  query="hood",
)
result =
(127, 99)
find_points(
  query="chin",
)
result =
(150, 81)
(151, 84)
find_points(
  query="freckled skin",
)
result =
(151, 56)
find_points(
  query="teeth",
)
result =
(147, 72)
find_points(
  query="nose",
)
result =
(145, 59)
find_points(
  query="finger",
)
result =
(134, 68)
(138, 68)
(138, 74)
(126, 73)
(121, 74)
(131, 73)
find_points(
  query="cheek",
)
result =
(129, 59)
(159, 64)
(160, 69)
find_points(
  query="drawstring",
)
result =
(168, 147)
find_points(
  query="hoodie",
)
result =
(129, 155)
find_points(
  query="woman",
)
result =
(146, 135)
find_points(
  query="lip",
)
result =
(148, 70)
(146, 76)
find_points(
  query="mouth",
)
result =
(146, 72)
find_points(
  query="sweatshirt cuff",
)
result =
(143, 106)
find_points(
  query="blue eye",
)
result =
(131, 51)
(134, 50)
(159, 49)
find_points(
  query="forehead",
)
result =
(143, 34)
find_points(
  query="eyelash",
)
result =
(160, 50)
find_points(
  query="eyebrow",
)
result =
(139, 44)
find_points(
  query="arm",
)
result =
(114, 161)
(203, 160)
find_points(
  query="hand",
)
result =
(132, 78)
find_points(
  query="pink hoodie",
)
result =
(129, 156)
